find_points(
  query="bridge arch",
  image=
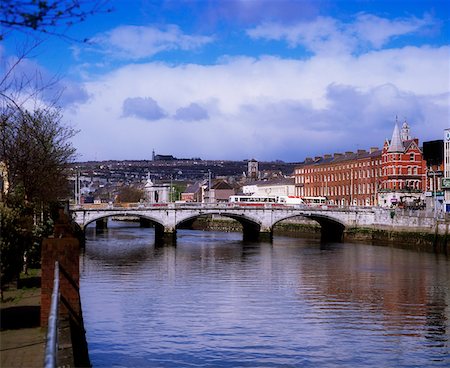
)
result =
(251, 227)
(331, 229)
(102, 216)
(161, 234)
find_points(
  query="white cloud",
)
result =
(322, 35)
(268, 108)
(326, 35)
(378, 31)
(138, 42)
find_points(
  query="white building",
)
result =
(156, 193)
(276, 187)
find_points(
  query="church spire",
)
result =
(396, 144)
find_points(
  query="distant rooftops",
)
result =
(275, 181)
(373, 153)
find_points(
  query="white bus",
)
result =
(282, 200)
(290, 200)
(315, 201)
(241, 199)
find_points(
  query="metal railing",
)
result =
(51, 348)
(71, 317)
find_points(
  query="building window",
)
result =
(412, 157)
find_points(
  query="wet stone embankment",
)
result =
(414, 240)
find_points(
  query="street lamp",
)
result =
(434, 190)
(77, 192)
(171, 189)
(209, 186)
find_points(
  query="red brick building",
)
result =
(404, 169)
(351, 178)
(367, 178)
(403, 163)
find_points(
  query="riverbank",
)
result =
(414, 240)
(22, 340)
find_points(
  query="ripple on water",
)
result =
(213, 301)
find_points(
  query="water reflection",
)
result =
(215, 301)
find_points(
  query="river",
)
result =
(214, 301)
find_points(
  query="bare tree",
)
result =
(46, 15)
(128, 194)
(35, 145)
(36, 150)
(38, 18)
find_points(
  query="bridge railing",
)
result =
(223, 205)
(226, 205)
(187, 206)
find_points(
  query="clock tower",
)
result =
(252, 170)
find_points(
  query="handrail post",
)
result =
(51, 348)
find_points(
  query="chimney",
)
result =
(348, 152)
(373, 149)
(308, 160)
(336, 155)
(361, 151)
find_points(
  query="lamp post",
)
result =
(209, 186)
(434, 190)
(171, 189)
(77, 188)
(351, 187)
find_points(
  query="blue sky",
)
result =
(235, 79)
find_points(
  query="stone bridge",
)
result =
(258, 220)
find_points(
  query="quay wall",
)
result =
(419, 234)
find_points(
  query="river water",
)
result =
(213, 301)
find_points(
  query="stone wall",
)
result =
(64, 247)
(66, 251)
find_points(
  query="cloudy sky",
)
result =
(239, 79)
